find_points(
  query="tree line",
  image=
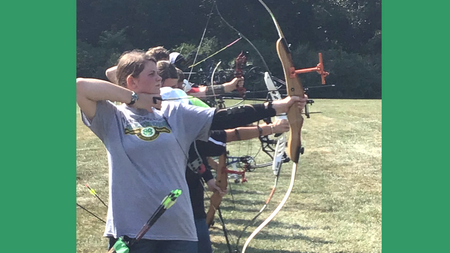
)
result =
(346, 32)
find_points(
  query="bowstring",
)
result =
(254, 48)
(271, 77)
(212, 84)
(243, 36)
(201, 41)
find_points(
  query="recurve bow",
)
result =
(294, 147)
(241, 61)
(222, 182)
(216, 199)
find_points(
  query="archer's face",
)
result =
(148, 80)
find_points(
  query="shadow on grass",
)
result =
(255, 206)
(269, 235)
(222, 248)
(273, 223)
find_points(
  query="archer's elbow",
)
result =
(81, 88)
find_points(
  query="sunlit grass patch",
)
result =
(335, 205)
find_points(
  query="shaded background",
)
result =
(347, 33)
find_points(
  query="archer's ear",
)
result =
(131, 82)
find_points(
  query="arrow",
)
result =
(123, 243)
(92, 191)
(90, 213)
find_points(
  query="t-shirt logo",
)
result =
(148, 133)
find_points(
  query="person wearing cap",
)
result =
(177, 59)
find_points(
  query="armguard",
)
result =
(218, 89)
(240, 116)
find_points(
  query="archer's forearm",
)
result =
(215, 90)
(96, 90)
(207, 175)
(213, 164)
(241, 116)
(247, 133)
(206, 91)
(90, 90)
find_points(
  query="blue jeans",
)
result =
(160, 246)
(204, 242)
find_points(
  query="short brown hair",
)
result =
(131, 63)
(166, 70)
(159, 53)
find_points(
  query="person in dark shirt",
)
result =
(198, 170)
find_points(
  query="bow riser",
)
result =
(294, 145)
(214, 204)
(222, 182)
(295, 88)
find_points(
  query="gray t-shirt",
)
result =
(147, 155)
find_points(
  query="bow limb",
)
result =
(294, 148)
(278, 157)
(276, 166)
(222, 182)
(275, 212)
(242, 36)
(218, 104)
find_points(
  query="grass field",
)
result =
(335, 205)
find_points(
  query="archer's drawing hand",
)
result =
(213, 187)
(283, 106)
(146, 101)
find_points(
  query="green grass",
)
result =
(335, 205)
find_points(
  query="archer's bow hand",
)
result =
(282, 106)
(239, 82)
(213, 187)
(236, 83)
